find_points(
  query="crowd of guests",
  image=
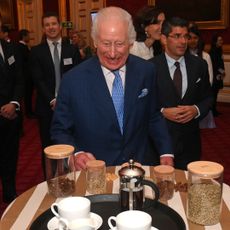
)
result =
(143, 92)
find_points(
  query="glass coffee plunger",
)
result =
(132, 187)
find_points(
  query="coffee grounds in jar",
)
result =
(61, 186)
(166, 189)
(204, 201)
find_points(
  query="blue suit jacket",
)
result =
(85, 116)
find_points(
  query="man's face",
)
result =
(51, 28)
(176, 42)
(193, 41)
(112, 44)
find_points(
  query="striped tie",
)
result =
(118, 98)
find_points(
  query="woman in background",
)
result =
(216, 54)
(196, 47)
(79, 41)
(147, 22)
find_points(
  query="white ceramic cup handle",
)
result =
(54, 211)
(63, 224)
(110, 223)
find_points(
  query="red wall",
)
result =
(133, 5)
(50, 6)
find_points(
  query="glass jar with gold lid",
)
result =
(205, 181)
(60, 177)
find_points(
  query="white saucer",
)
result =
(53, 223)
(152, 228)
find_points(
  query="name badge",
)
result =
(11, 60)
(68, 61)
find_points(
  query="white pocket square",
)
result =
(198, 80)
(144, 92)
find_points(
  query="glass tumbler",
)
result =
(96, 177)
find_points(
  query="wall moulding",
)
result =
(208, 15)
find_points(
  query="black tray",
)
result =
(163, 217)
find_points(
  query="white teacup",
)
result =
(72, 208)
(131, 220)
(78, 224)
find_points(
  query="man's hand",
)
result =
(166, 161)
(188, 112)
(79, 161)
(9, 111)
(53, 104)
(180, 114)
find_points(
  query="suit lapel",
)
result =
(46, 54)
(101, 94)
(132, 89)
(190, 77)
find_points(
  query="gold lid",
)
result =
(95, 164)
(58, 151)
(205, 168)
(164, 169)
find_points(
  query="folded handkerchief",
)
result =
(198, 80)
(144, 92)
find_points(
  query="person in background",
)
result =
(4, 34)
(11, 91)
(79, 42)
(216, 54)
(23, 45)
(107, 106)
(184, 91)
(147, 22)
(49, 60)
(196, 47)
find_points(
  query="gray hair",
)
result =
(117, 13)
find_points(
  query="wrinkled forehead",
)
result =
(115, 27)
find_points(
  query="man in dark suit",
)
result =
(49, 60)
(11, 90)
(102, 120)
(184, 91)
(23, 45)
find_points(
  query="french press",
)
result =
(132, 187)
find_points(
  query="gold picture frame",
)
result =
(208, 14)
(7, 13)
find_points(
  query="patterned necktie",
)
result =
(118, 98)
(177, 79)
(57, 68)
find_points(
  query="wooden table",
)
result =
(21, 213)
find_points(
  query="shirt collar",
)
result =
(171, 61)
(106, 71)
(22, 42)
(51, 42)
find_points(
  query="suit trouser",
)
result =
(9, 148)
(44, 128)
(187, 148)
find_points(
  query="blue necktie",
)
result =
(118, 98)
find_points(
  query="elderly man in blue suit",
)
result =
(107, 106)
